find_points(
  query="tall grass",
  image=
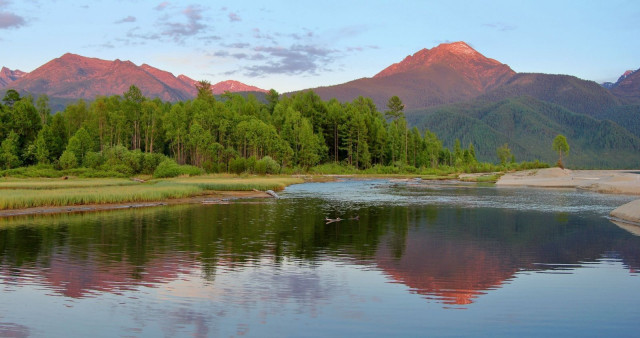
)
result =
(227, 183)
(41, 184)
(20, 193)
(27, 198)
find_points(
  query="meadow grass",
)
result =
(27, 193)
(47, 183)
(27, 198)
(236, 183)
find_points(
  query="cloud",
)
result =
(179, 31)
(500, 26)
(161, 6)
(10, 20)
(238, 45)
(297, 59)
(127, 19)
(133, 34)
(233, 17)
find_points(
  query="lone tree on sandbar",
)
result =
(560, 145)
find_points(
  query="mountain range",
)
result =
(73, 76)
(451, 89)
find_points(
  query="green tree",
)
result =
(42, 104)
(395, 108)
(504, 153)
(10, 151)
(204, 90)
(68, 160)
(560, 146)
(10, 97)
(80, 144)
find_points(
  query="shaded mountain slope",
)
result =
(529, 125)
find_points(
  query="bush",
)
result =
(267, 165)
(68, 160)
(237, 165)
(150, 162)
(92, 160)
(169, 168)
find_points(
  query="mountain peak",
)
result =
(457, 55)
(7, 76)
(459, 47)
(233, 86)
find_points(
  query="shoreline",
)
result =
(623, 182)
(216, 197)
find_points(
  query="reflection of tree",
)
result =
(451, 253)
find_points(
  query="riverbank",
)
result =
(602, 181)
(46, 196)
(218, 197)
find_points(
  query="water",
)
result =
(410, 258)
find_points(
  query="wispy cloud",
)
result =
(500, 26)
(127, 19)
(10, 20)
(297, 59)
(233, 17)
(179, 31)
(161, 6)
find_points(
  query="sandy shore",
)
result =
(603, 181)
(219, 197)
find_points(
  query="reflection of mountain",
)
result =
(76, 277)
(450, 254)
(464, 253)
(455, 271)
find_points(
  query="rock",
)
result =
(272, 193)
(629, 212)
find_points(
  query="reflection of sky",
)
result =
(332, 298)
(334, 293)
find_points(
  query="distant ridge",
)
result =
(8, 76)
(73, 76)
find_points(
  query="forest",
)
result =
(129, 134)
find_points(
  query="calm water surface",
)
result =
(409, 258)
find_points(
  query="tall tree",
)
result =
(561, 146)
(395, 108)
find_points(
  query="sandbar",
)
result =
(626, 182)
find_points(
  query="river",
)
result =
(408, 258)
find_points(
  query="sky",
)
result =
(294, 45)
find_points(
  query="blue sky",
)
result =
(291, 45)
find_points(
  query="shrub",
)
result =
(169, 168)
(267, 165)
(237, 165)
(150, 162)
(92, 160)
(68, 160)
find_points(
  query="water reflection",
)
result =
(279, 258)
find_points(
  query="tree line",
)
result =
(132, 134)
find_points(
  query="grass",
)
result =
(44, 184)
(28, 193)
(235, 183)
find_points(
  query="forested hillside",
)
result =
(529, 125)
